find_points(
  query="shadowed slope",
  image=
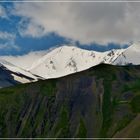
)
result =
(99, 102)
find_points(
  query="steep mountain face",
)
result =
(66, 60)
(103, 101)
(130, 56)
(11, 75)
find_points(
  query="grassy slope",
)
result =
(100, 102)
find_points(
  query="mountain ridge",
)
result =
(65, 60)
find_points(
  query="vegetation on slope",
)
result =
(103, 101)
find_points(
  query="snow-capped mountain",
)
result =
(65, 60)
(11, 75)
(130, 56)
(70, 59)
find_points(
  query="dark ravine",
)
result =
(103, 101)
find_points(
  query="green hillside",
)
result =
(103, 101)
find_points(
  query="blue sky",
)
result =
(22, 30)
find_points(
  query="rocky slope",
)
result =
(103, 101)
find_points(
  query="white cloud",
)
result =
(6, 35)
(30, 29)
(7, 40)
(8, 45)
(2, 12)
(86, 22)
(24, 61)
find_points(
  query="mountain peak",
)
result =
(131, 55)
(65, 60)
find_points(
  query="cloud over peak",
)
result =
(87, 23)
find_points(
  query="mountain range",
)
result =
(70, 92)
(62, 61)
